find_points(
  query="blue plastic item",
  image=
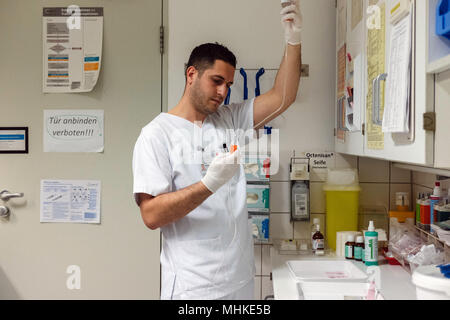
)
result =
(258, 88)
(443, 18)
(445, 269)
(227, 100)
(244, 74)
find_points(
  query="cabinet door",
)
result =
(416, 146)
(350, 40)
(442, 152)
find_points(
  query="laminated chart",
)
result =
(70, 201)
(72, 44)
(375, 66)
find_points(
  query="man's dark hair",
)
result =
(205, 55)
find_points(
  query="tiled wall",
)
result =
(424, 182)
(379, 181)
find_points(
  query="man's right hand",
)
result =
(221, 170)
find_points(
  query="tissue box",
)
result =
(260, 228)
(257, 169)
(258, 198)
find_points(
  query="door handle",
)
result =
(376, 99)
(4, 212)
(5, 195)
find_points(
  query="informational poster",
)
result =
(341, 73)
(72, 42)
(70, 201)
(341, 81)
(340, 116)
(358, 93)
(73, 131)
(376, 55)
(397, 110)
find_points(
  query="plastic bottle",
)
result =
(300, 200)
(418, 201)
(349, 247)
(434, 199)
(359, 247)
(371, 245)
(318, 242)
(425, 214)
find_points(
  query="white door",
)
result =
(119, 258)
(417, 146)
(355, 46)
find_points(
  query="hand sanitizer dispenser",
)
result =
(300, 190)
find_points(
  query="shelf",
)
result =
(436, 171)
(439, 66)
(431, 237)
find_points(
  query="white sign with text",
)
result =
(73, 130)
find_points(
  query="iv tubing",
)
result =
(284, 92)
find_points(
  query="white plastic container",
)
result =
(334, 290)
(431, 284)
(329, 279)
(325, 271)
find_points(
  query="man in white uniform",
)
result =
(189, 185)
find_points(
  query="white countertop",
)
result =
(395, 281)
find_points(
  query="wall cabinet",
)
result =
(366, 41)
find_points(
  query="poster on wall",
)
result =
(72, 43)
(73, 131)
(342, 69)
(70, 201)
(14, 140)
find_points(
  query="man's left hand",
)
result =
(292, 21)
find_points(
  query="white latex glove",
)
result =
(292, 21)
(221, 170)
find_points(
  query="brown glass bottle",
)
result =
(350, 248)
(359, 248)
(318, 242)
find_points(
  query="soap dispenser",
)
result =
(300, 191)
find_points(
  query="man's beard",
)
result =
(200, 101)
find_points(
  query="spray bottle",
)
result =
(371, 245)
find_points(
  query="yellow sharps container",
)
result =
(342, 203)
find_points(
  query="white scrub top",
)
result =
(208, 253)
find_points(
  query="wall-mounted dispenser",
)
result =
(300, 189)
